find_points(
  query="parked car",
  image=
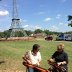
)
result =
(49, 38)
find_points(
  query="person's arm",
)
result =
(26, 58)
(53, 58)
(61, 63)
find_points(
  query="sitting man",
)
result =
(33, 57)
(59, 57)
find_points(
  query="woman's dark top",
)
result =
(60, 57)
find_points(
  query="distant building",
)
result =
(39, 35)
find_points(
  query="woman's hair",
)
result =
(61, 45)
(35, 46)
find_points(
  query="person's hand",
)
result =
(35, 64)
(52, 60)
(29, 62)
(59, 63)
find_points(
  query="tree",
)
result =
(46, 32)
(19, 34)
(29, 32)
(38, 31)
(7, 33)
(1, 34)
(70, 19)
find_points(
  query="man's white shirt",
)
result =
(35, 59)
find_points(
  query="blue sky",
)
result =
(38, 14)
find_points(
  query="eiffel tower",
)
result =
(16, 24)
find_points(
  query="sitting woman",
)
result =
(59, 57)
(33, 57)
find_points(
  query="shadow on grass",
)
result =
(2, 62)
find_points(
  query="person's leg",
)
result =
(36, 70)
(30, 69)
(54, 69)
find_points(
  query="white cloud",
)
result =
(66, 24)
(40, 13)
(25, 26)
(1, 30)
(31, 27)
(47, 19)
(37, 27)
(42, 5)
(54, 28)
(58, 16)
(64, 0)
(4, 13)
(23, 20)
(61, 23)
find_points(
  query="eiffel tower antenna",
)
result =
(16, 25)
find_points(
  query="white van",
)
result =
(68, 37)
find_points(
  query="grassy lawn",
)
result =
(11, 53)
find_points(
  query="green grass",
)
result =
(11, 53)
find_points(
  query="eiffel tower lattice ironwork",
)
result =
(16, 24)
